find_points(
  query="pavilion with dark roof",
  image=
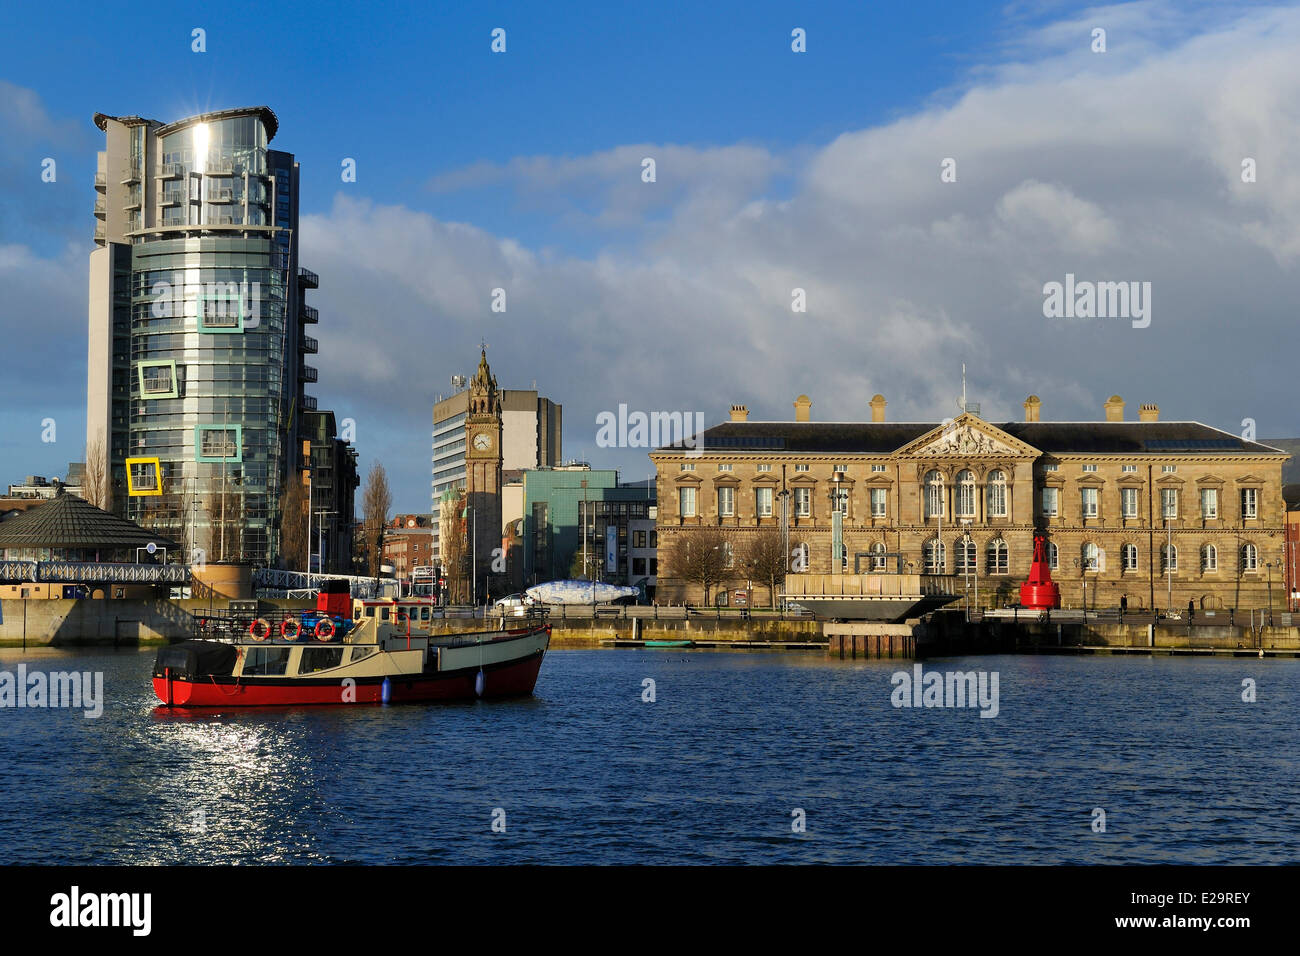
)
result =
(69, 528)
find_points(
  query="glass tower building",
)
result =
(197, 344)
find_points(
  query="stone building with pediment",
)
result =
(1161, 513)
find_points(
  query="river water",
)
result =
(735, 751)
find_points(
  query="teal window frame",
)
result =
(238, 329)
(217, 426)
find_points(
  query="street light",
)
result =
(1270, 565)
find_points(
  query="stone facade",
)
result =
(1090, 487)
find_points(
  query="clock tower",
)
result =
(483, 469)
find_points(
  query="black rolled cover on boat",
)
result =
(190, 659)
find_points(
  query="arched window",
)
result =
(965, 557)
(1091, 557)
(878, 556)
(1168, 559)
(1053, 556)
(997, 494)
(1128, 555)
(933, 494)
(998, 561)
(1209, 558)
(965, 494)
(1249, 558)
(934, 557)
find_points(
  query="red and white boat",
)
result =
(350, 653)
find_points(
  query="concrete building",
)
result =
(531, 437)
(1159, 513)
(560, 504)
(408, 544)
(38, 486)
(332, 466)
(197, 353)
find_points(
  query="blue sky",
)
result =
(776, 170)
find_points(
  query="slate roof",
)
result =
(67, 521)
(1108, 438)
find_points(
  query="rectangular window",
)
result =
(1051, 466)
(1169, 469)
(686, 502)
(687, 466)
(266, 661)
(158, 379)
(1051, 502)
(763, 502)
(997, 496)
(877, 468)
(1129, 557)
(726, 502)
(764, 468)
(218, 442)
(802, 502)
(638, 539)
(1168, 502)
(1128, 468)
(879, 499)
(800, 467)
(1089, 502)
(1248, 499)
(319, 659)
(1089, 467)
(841, 468)
(840, 500)
(724, 467)
(1209, 502)
(144, 476)
(1128, 502)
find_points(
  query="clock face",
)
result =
(482, 441)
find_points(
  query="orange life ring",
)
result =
(285, 628)
(259, 630)
(324, 629)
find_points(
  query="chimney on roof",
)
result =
(878, 404)
(1114, 409)
(1032, 405)
(803, 409)
(1148, 413)
(740, 413)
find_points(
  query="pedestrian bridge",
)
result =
(92, 572)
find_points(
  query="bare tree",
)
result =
(376, 500)
(293, 523)
(452, 546)
(764, 558)
(701, 556)
(95, 486)
(226, 521)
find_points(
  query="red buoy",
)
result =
(1040, 592)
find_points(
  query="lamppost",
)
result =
(1270, 565)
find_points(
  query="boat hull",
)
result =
(513, 678)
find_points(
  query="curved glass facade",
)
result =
(208, 328)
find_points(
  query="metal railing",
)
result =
(91, 572)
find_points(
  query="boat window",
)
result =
(319, 659)
(360, 653)
(370, 612)
(266, 661)
(356, 614)
(383, 613)
(424, 614)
